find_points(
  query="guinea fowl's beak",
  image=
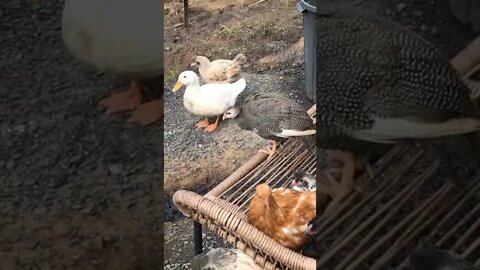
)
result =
(224, 116)
(177, 86)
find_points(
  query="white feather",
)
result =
(287, 133)
(212, 99)
(389, 130)
(121, 36)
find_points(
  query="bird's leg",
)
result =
(203, 123)
(338, 191)
(213, 126)
(124, 100)
(363, 164)
(148, 113)
(271, 149)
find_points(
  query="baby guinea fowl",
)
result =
(303, 181)
(219, 70)
(437, 259)
(382, 83)
(224, 259)
(273, 117)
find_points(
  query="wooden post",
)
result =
(185, 13)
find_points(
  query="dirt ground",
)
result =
(78, 189)
(270, 34)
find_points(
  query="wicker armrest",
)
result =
(239, 233)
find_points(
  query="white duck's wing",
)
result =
(214, 99)
(122, 36)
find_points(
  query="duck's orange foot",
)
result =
(148, 113)
(125, 100)
(213, 126)
(202, 124)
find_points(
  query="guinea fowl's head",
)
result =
(199, 60)
(303, 179)
(186, 78)
(231, 113)
(264, 192)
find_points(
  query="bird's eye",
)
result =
(198, 63)
(185, 76)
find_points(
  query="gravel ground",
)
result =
(78, 189)
(432, 19)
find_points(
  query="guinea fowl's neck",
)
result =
(242, 121)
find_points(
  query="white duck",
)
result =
(120, 36)
(208, 100)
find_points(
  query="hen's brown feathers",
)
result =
(219, 70)
(286, 216)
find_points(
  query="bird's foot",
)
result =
(213, 126)
(337, 191)
(148, 113)
(271, 149)
(128, 99)
(364, 165)
(202, 124)
(337, 155)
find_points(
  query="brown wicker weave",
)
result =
(366, 213)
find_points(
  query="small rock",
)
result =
(434, 31)
(401, 7)
(61, 229)
(76, 158)
(114, 169)
(95, 244)
(40, 211)
(10, 164)
(418, 13)
(423, 27)
(32, 125)
(31, 243)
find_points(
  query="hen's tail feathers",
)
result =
(240, 59)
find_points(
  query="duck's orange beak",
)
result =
(177, 87)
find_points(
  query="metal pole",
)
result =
(197, 237)
(185, 12)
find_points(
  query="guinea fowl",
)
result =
(219, 70)
(282, 214)
(224, 259)
(273, 117)
(437, 259)
(379, 82)
(303, 181)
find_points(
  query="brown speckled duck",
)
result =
(273, 117)
(219, 70)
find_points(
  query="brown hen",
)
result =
(282, 214)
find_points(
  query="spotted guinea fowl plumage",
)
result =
(274, 117)
(269, 114)
(380, 82)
